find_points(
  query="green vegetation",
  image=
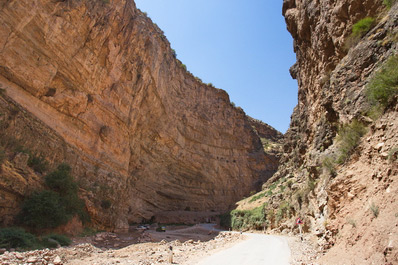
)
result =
(18, 238)
(285, 210)
(374, 209)
(389, 3)
(248, 219)
(383, 87)
(359, 30)
(37, 163)
(348, 138)
(51, 208)
(329, 163)
(173, 52)
(362, 27)
(258, 196)
(43, 210)
(393, 154)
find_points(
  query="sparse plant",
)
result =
(348, 138)
(173, 52)
(363, 26)
(38, 163)
(393, 154)
(374, 209)
(329, 164)
(352, 222)
(389, 3)
(383, 87)
(184, 67)
(359, 30)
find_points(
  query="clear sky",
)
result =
(240, 46)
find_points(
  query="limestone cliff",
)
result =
(96, 84)
(350, 206)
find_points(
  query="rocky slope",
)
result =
(96, 84)
(349, 206)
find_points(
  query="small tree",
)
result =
(43, 210)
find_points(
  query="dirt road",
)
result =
(258, 249)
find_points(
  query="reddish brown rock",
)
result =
(96, 85)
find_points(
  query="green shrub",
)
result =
(257, 196)
(43, 210)
(383, 87)
(16, 238)
(389, 3)
(61, 239)
(285, 210)
(362, 27)
(248, 219)
(37, 163)
(348, 138)
(61, 181)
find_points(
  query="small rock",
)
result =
(31, 260)
(57, 261)
(378, 146)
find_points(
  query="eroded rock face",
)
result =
(333, 71)
(98, 87)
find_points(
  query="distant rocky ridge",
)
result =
(96, 84)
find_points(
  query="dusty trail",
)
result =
(257, 249)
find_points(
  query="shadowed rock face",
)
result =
(111, 100)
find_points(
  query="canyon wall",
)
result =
(96, 84)
(348, 205)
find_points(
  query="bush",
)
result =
(389, 3)
(37, 163)
(248, 219)
(348, 138)
(61, 181)
(383, 87)
(16, 238)
(362, 27)
(43, 210)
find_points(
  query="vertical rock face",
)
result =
(333, 70)
(112, 101)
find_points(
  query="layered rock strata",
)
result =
(97, 85)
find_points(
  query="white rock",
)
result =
(57, 260)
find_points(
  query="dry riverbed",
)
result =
(190, 245)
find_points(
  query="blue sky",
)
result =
(240, 46)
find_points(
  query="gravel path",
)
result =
(255, 250)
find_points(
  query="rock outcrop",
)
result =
(347, 205)
(96, 84)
